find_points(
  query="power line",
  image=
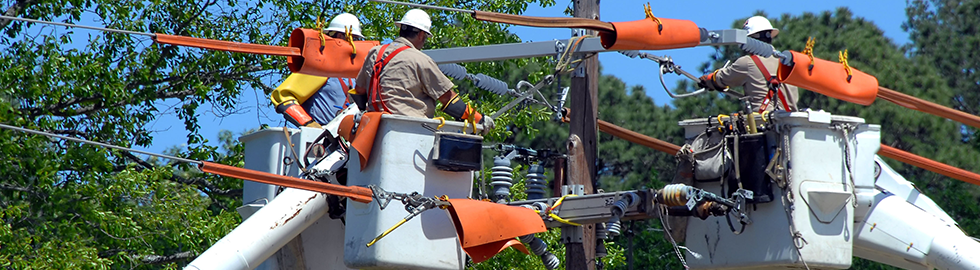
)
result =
(98, 143)
(78, 26)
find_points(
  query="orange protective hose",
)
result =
(645, 34)
(637, 138)
(358, 194)
(226, 45)
(921, 105)
(830, 79)
(930, 165)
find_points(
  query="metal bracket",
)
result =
(572, 234)
(725, 37)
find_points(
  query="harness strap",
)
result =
(374, 92)
(773, 84)
(345, 86)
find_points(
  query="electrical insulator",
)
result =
(619, 208)
(538, 247)
(536, 182)
(600, 231)
(501, 178)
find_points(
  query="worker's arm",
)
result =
(295, 90)
(732, 75)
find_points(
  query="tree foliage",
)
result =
(65, 205)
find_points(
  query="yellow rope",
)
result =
(348, 31)
(555, 216)
(386, 232)
(842, 57)
(566, 56)
(649, 11)
(808, 50)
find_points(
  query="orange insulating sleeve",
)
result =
(637, 138)
(221, 45)
(485, 228)
(930, 165)
(334, 59)
(358, 194)
(921, 105)
(644, 35)
(830, 79)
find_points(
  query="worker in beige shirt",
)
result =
(745, 72)
(403, 80)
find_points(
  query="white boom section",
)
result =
(906, 229)
(265, 232)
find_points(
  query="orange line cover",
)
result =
(229, 46)
(358, 194)
(930, 165)
(921, 105)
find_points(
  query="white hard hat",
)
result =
(342, 22)
(416, 18)
(758, 24)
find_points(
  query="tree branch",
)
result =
(201, 183)
(14, 11)
(157, 259)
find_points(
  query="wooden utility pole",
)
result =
(584, 94)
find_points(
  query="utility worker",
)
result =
(398, 78)
(756, 75)
(321, 97)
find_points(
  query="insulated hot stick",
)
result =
(667, 66)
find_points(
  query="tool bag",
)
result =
(457, 152)
(709, 156)
(752, 156)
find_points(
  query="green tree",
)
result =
(64, 205)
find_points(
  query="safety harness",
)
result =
(374, 92)
(773, 84)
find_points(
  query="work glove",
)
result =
(708, 82)
(487, 124)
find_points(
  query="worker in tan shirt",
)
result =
(403, 80)
(755, 80)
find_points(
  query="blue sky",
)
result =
(887, 15)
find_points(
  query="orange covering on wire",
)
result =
(921, 105)
(930, 165)
(830, 79)
(651, 33)
(358, 194)
(637, 138)
(485, 228)
(220, 45)
(326, 56)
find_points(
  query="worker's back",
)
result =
(409, 84)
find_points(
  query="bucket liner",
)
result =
(485, 228)
(830, 79)
(334, 58)
(361, 134)
(646, 34)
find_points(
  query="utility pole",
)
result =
(584, 94)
